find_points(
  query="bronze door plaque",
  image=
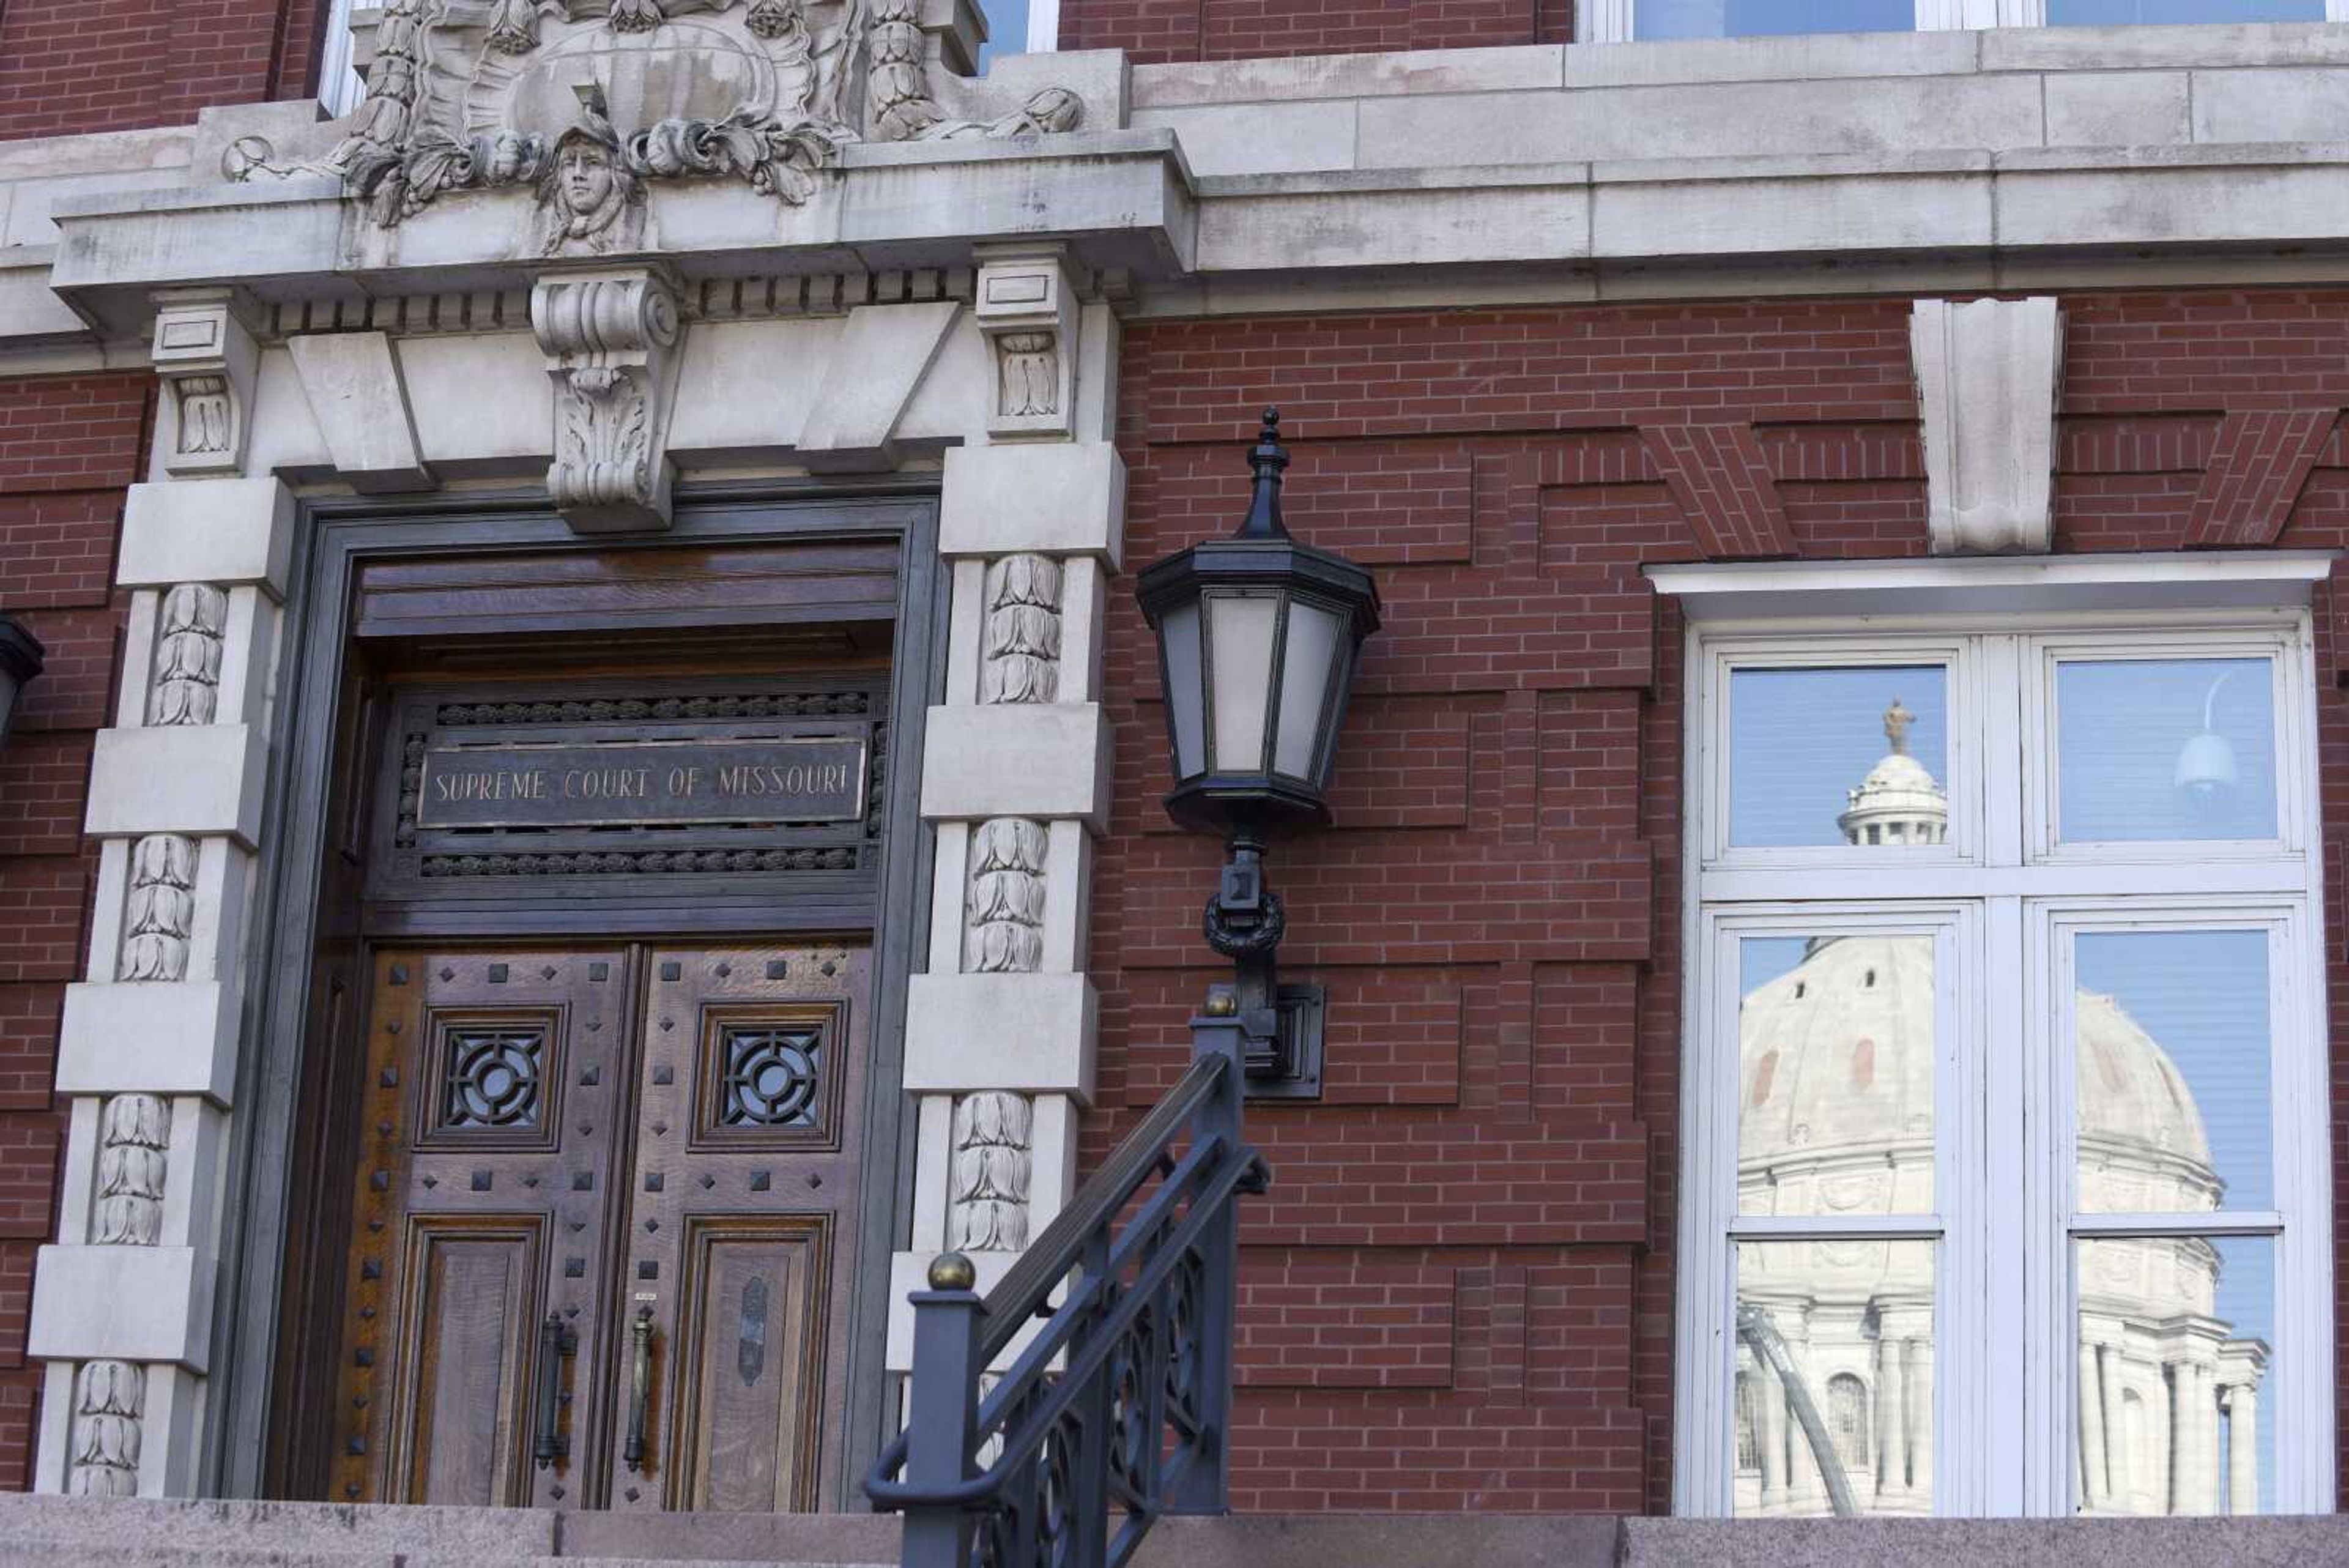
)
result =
(630, 784)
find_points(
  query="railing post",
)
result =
(1205, 1486)
(1089, 1467)
(943, 1416)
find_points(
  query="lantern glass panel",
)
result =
(1305, 668)
(1240, 630)
(1178, 631)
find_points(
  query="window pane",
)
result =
(1180, 632)
(1836, 1064)
(2174, 1337)
(2170, 1059)
(2166, 748)
(1838, 756)
(2113, 13)
(1756, 18)
(1239, 658)
(1006, 30)
(1835, 1373)
(1306, 661)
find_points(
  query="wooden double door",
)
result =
(604, 1223)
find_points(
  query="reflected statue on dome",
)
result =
(1837, 1118)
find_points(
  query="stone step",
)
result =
(43, 1552)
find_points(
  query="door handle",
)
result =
(640, 1383)
(556, 1346)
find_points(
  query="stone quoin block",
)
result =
(160, 1037)
(221, 532)
(1043, 758)
(1033, 1033)
(124, 1303)
(192, 779)
(1050, 500)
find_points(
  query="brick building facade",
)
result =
(1511, 385)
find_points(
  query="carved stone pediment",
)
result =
(588, 102)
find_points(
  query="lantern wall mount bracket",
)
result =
(1280, 1025)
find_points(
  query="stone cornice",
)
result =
(1122, 199)
(2125, 156)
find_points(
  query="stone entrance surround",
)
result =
(541, 363)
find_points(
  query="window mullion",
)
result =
(2011, 1083)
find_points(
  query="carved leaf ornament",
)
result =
(586, 99)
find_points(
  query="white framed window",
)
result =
(340, 87)
(2005, 1168)
(1659, 21)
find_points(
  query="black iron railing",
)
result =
(1114, 1410)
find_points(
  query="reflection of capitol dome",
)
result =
(1898, 802)
(2142, 1146)
(1837, 1117)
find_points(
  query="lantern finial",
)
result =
(1267, 457)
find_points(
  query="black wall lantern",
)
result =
(1257, 640)
(21, 655)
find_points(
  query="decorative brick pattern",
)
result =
(1722, 482)
(2261, 460)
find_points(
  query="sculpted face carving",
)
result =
(590, 202)
(586, 169)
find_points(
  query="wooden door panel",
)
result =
(461, 1401)
(495, 1093)
(750, 1361)
(743, 1218)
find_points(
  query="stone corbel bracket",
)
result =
(1988, 375)
(1027, 310)
(207, 360)
(612, 342)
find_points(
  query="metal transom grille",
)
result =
(493, 1078)
(771, 1076)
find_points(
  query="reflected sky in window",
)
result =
(1006, 30)
(2120, 13)
(2135, 761)
(1800, 741)
(1763, 18)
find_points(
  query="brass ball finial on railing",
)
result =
(953, 1271)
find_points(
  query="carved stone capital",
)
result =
(1027, 310)
(612, 344)
(207, 360)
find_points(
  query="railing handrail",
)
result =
(1037, 1422)
(1116, 1410)
(1038, 1271)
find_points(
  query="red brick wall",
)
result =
(1459, 1293)
(68, 445)
(1152, 31)
(68, 66)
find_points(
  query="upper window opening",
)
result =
(2165, 749)
(1660, 19)
(1798, 738)
(2121, 13)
